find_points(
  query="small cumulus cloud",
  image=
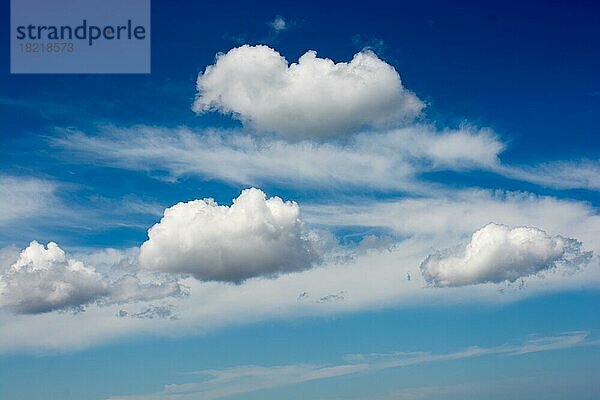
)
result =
(497, 253)
(314, 97)
(255, 236)
(43, 279)
(278, 24)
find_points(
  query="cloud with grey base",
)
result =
(497, 253)
(314, 97)
(43, 279)
(253, 237)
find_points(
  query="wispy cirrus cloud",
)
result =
(386, 160)
(390, 161)
(558, 174)
(24, 197)
(453, 215)
(34, 208)
(238, 380)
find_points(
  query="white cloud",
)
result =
(312, 98)
(52, 210)
(424, 224)
(560, 174)
(246, 379)
(386, 160)
(371, 280)
(221, 383)
(251, 238)
(25, 197)
(451, 216)
(43, 279)
(255, 236)
(129, 287)
(497, 253)
(456, 149)
(278, 24)
(107, 259)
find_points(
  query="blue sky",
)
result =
(437, 238)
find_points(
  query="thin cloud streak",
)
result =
(389, 161)
(386, 161)
(584, 174)
(245, 379)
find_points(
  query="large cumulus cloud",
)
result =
(497, 253)
(312, 98)
(255, 236)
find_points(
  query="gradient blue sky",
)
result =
(528, 72)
